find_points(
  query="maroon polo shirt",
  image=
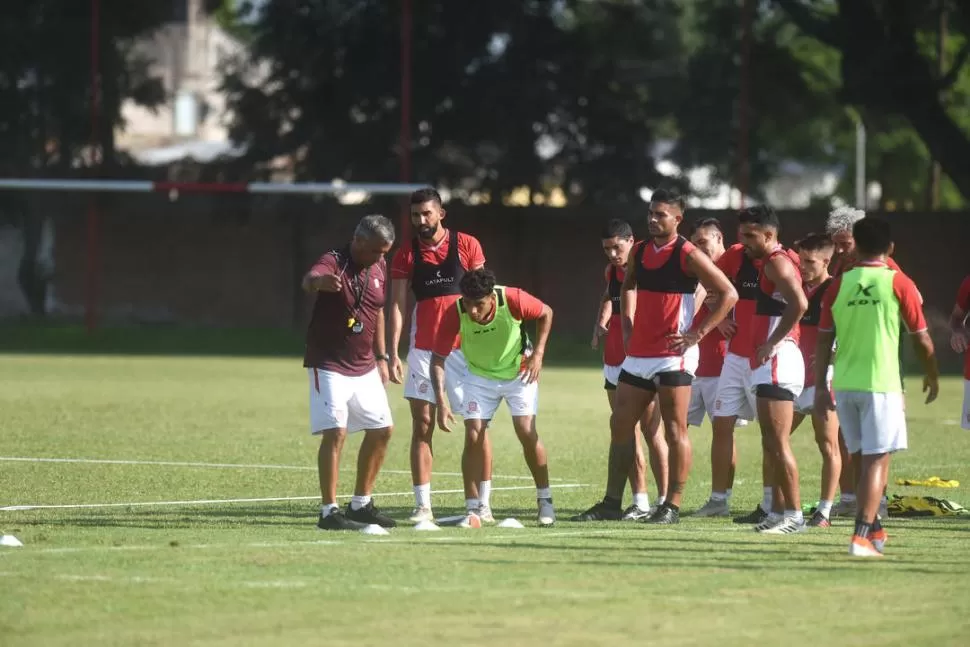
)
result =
(331, 345)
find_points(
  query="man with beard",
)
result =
(659, 294)
(778, 371)
(617, 240)
(432, 264)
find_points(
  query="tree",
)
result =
(506, 93)
(887, 73)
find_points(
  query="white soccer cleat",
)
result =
(485, 514)
(714, 508)
(772, 520)
(421, 514)
(788, 526)
(861, 547)
(547, 514)
(471, 520)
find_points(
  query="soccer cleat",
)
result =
(770, 521)
(471, 520)
(819, 520)
(879, 539)
(862, 547)
(547, 514)
(756, 516)
(484, 513)
(714, 508)
(370, 514)
(663, 516)
(844, 509)
(633, 513)
(788, 526)
(337, 521)
(600, 511)
(421, 514)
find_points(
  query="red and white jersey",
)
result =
(743, 272)
(808, 328)
(613, 354)
(712, 349)
(665, 297)
(771, 304)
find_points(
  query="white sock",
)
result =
(358, 502)
(485, 492)
(719, 496)
(472, 504)
(661, 499)
(825, 507)
(543, 493)
(641, 500)
(327, 508)
(422, 495)
(795, 514)
(848, 497)
(766, 501)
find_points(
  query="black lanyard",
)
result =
(357, 288)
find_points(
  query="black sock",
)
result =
(675, 508)
(610, 502)
(862, 528)
(876, 525)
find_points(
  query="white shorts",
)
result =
(417, 384)
(735, 394)
(703, 395)
(965, 421)
(352, 403)
(785, 369)
(648, 368)
(805, 403)
(612, 374)
(873, 423)
(483, 395)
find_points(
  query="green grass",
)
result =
(259, 573)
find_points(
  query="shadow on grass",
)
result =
(51, 338)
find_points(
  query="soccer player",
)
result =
(815, 254)
(734, 400)
(709, 238)
(502, 365)
(778, 371)
(839, 226)
(617, 242)
(960, 341)
(432, 265)
(658, 296)
(861, 311)
(347, 368)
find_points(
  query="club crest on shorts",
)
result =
(472, 407)
(423, 388)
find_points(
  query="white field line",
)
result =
(256, 466)
(18, 508)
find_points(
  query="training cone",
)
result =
(374, 529)
(426, 525)
(10, 541)
(510, 523)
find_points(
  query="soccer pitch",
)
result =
(231, 555)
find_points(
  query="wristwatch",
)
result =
(385, 357)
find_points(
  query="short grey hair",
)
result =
(375, 227)
(842, 219)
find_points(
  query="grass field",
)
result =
(217, 566)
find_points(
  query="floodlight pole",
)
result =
(93, 264)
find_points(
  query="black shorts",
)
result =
(667, 378)
(774, 392)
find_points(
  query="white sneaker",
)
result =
(421, 514)
(772, 520)
(547, 514)
(484, 513)
(714, 508)
(788, 526)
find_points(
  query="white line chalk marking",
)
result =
(253, 466)
(71, 506)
